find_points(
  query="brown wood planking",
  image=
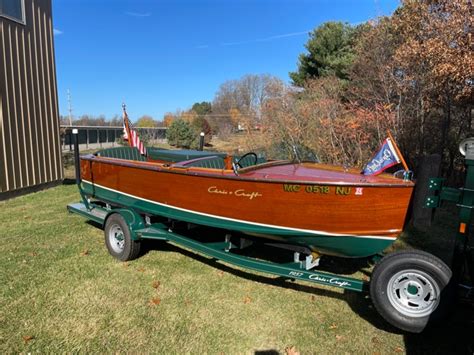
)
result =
(380, 210)
(30, 152)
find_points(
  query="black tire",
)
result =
(118, 239)
(407, 287)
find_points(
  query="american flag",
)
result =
(131, 135)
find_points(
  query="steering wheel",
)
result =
(252, 154)
(236, 165)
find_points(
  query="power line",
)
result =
(220, 115)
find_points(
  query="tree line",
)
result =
(411, 73)
(144, 121)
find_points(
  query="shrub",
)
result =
(200, 124)
(180, 134)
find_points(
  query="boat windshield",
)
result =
(293, 152)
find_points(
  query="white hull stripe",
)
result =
(309, 231)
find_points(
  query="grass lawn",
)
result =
(60, 291)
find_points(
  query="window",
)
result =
(13, 9)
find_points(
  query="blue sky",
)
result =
(159, 56)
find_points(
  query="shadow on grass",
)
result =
(454, 335)
(69, 181)
(282, 282)
(358, 301)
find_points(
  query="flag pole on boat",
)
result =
(126, 129)
(131, 135)
(405, 166)
(387, 156)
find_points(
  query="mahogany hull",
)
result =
(351, 220)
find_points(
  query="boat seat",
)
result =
(212, 162)
(127, 153)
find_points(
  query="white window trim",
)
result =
(23, 15)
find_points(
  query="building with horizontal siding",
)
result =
(30, 148)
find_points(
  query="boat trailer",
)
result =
(140, 230)
(416, 278)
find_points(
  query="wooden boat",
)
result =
(330, 210)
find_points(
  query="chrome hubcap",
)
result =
(413, 293)
(116, 238)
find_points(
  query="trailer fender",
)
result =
(132, 218)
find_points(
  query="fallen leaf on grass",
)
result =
(333, 326)
(339, 337)
(33, 254)
(27, 338)
(155, 301)
(398, 349)
(125, 264)
(291, 350)
(313, 298)
(155, 284)
(375, 340)
(85, 252)
(247, 300)
(141, 269)
(220, 273)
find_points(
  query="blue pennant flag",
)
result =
(385, 158)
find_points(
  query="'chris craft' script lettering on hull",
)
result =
(238, 193)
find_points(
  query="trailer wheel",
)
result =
(407, 287)
(118, 239)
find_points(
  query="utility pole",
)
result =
(69, 106)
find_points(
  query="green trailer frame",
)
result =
(141, 230)
(463, 197)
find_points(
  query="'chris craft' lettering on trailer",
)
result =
(318, 278)
(239, 192)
